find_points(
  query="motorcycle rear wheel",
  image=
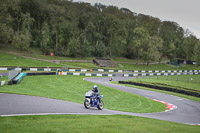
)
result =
(87, 104)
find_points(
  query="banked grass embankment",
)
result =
(14, 60)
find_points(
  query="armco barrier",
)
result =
(160, 74)
(87, 74)
(97, 70)
(186, 92)
(2, 83)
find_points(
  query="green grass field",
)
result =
(73, 88)
(12, 60)
(184, 81)
(37, 53)
(157, 67)
(38, 85)
(80, 65)
(121, 59)
(91, 124)
(3, 78)
(86, 65)
(176, 81)
(125, 66)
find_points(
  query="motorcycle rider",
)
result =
(96, 91)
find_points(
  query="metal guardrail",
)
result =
(134, 73)
(87, 74)
(96, 70)
(160, 74)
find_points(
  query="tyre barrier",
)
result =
(97, 70)
(186, 92)
(87, 74)
(41, 73)
(2, 83)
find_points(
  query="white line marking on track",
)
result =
(54, 114)
(196, 124)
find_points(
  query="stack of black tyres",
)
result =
(41, 73)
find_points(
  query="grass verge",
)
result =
(12, 59)
(91, 124)
(171, 80)
(161, 66)
(181, 81)
(125, 66)
(80, 65)
(73, 88)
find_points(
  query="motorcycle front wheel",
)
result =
(101, 105)
(87, 104)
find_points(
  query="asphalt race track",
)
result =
(187, 111)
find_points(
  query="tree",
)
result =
(153, 49)
(158, 42)
(99, 50)
(55, 11)
(86, 50)
(151, 24)
(111, 26)
(168, 32)
(171, 51)
(80, 29)
(74, 47)
(23, 38)
(129, 46)
(99, 6)
(197, 53)
(189, 44)
(45, 34)
(120, 41)
(141, 38)
(5, 24)
(65, 32)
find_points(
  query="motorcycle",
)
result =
(91, 100)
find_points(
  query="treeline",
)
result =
(79, 29)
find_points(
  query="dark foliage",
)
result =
(79, 29)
